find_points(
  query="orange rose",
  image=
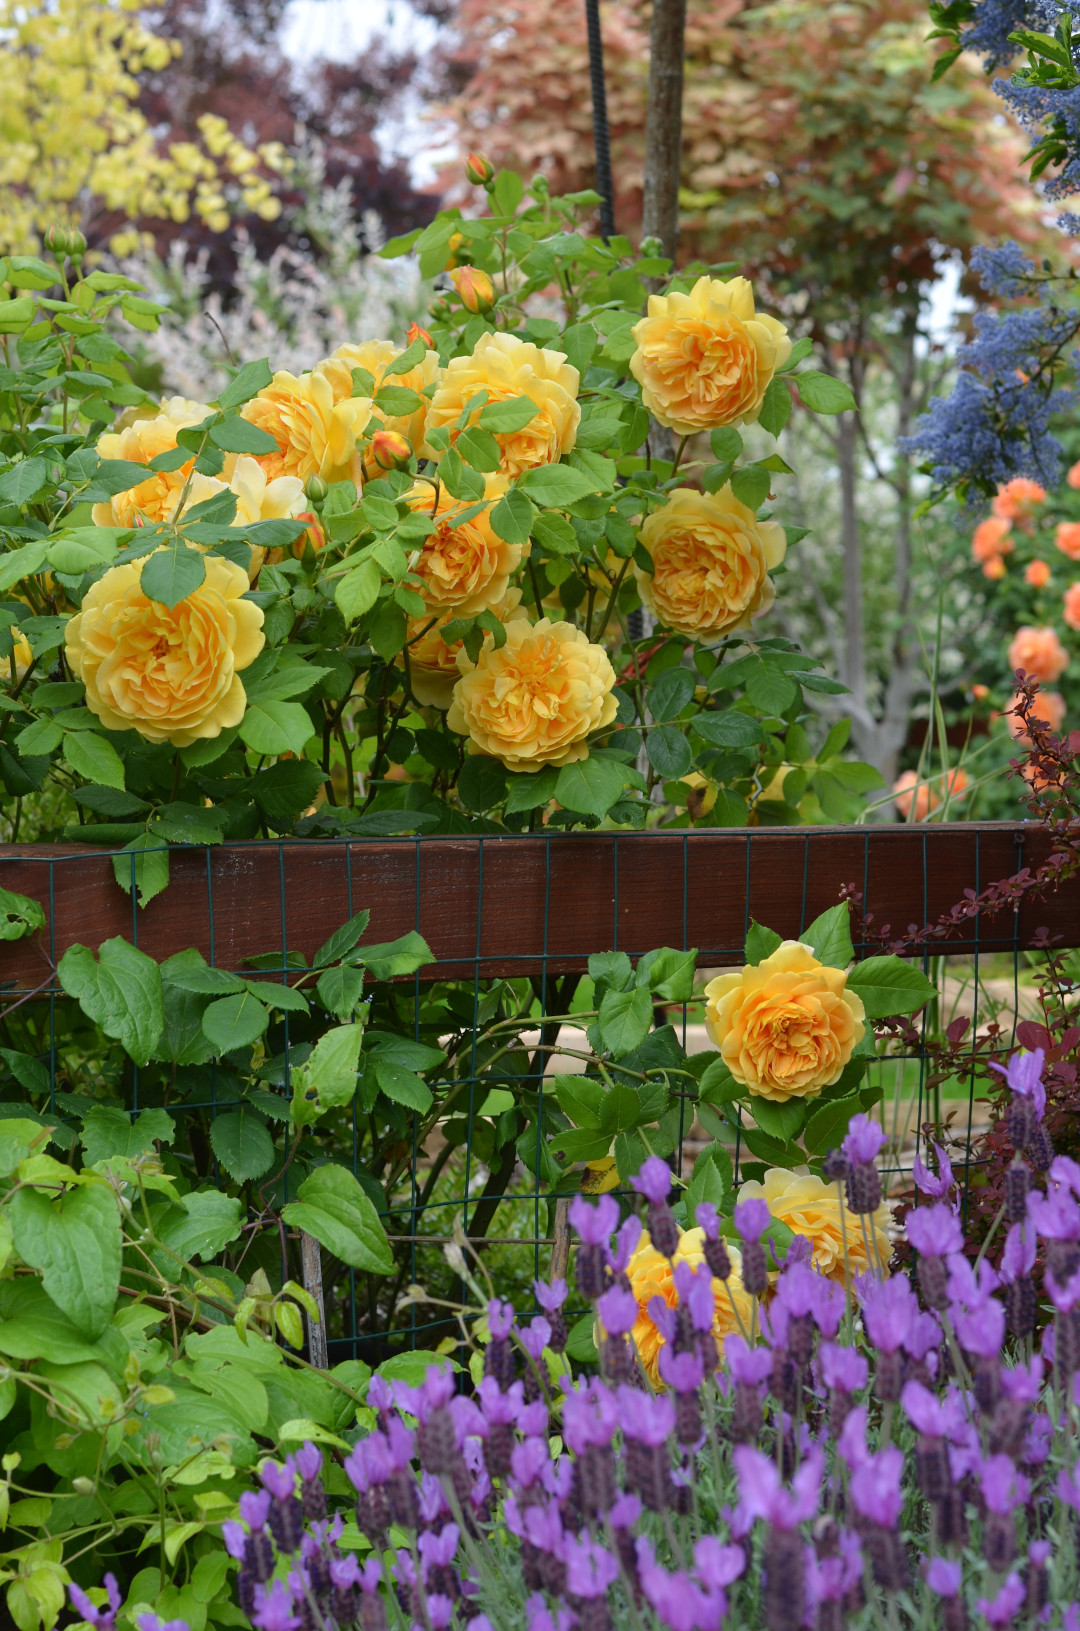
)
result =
(1073, 477)
(534, 700)
(506, 367)
(1071, 604)
(1049, 708)
(1039, 653)
(991, 537)
(711, 559)
(1037, 573)
(912, 791)
(169, 672)
(474, 288)
(994, 567)
(375, 357)
(1018, 499)
(140, 441)
(1067, 539)
(787, 1027)
(705, 359)
(813, 1209)
(316, 434)
(651, 1275)
(466, 568)
(433, 665)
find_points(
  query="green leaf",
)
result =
(357, 592)
(276, 727)
(391, 959)
(482, 783)
(750, 484)
(459, 478)
(120, 991)
(388, 630)
(718, 1085)
(241, 436)
(76, 1242)
(783, 1122)
(39, 739)
(340, 989)
(242, 1143)
(512, 414)
(826, 1128)
(591, 786)
(581, 1098)
(20, 563)
(553, 486)
(145, 862)
(513, 517)
(888, 986)
(91, 756)
(397, 400)
(625, 1019)
(191, 972)
(409, 358)
(726, 444)
(668, 751)
(479, 448)
(252, 378)
(171, 574)
(821, 393)
(328, 1076)
(770, 689)
(23, 481)
(830, 936)
(202, 1226)
(775, 407)
(531, 792)
(772, 1150)
(19, 915)
(668, 973)
(235, 1022)
(342, 940)
(81, 549)
(612, 967)
(109, 1131)
(713, 1180)
(760, 943)
(729, 729)
(554, 534)
(403, 1086)
(331, 1206)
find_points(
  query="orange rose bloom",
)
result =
(1071, 603)
(506, 367)
(169, 672)
(1018, 498)
(787, 1027)
(1073, 477)
(706, 358)
(534, 700)
(316, 434)
(711, 558)
(814, 1209)
(1067, 539)
(914, 792)
(991, 537)
(433, 665)
(1039, 653)
(1037, 573)
(1049, 708)
(651, 1275)
(465, 568)
(994, 567)
(376, 356)
(140, 441)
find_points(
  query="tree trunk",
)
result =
(311, 1274)
(851, 541)
(663, 126)
(904, 652)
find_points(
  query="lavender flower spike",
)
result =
(595, 1224)
(1023, 1075)
(864, 1141)
(653, 1181)
(752, 1218)
(103, 1618)
(925, 1180)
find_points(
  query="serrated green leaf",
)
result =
(760, 943)
(91, 756)
(331, 1206)
(513, 517)
(171, 574)
(625, 1019)
(274, 727)
(251, 379)
(889, 986)
(775, 407)
(821, 393)
(120, 991)
(830, 936)
(241, 1141)
(235, 1022)
(591, 786)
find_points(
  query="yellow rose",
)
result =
(704, 359)
(787, 1027)
(465, 568)
(14, 667)
(433, 667)
(316, 435)
(257, 499)
(169, 672)
(711, 559)
(505, 367)
(376, 356)
(142, 440)
(533, 701)
(813, 1208)
(651, 1275)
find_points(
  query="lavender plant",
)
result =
(820, 1452)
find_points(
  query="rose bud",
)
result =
(455, 242)
(479, 169)
(417, 333)
(313, 534)
(475, 289)
(316, 489)
(389, 450)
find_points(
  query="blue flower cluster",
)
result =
(992, 23)
(1003, 269)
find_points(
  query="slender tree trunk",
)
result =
(311, 1273)
(851, 541)
(900, 688)
(663, 126)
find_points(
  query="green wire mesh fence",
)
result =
(510, 923)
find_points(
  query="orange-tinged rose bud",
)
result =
(475, 289)
(994, 567)
(417, 333)
(1037, 573)
(313, 533)
(453, 245)
(980, 692)
(479, 169)
(390, 450)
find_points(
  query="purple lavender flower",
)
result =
(235, 1537)
(696, 1295)
(683, 1373)
(550, 1297)
(944, 1576)
(500, 1319)
(590, 1568)
(762, 1495)
(1024, 1382)
(875, 1487)
(151, 1622)
(747, 1365)
(982, 1332)
(653, 1180)
(618, 1310)
(1023, 1075)
(103, 1618)
(1003, 1609)
(925, 1179)
(1018, 1256)
(649, 1418)
(626, 1243)
(590, 1416)
(842, 1367)
(933, 1416)
(274, 1608)
(752, 1218)
(1056, 1216)
(888, 1307)
(595, 1223)
(535, 1337)
(864, 1141)
(254, 1508)
(934, 1231)
(1003, 1488)
(707, 1219)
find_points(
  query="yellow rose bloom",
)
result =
(140, 441)
(786, 1028)
(376, 356)
(433, 666)
(465, 568)
(705, 359)
(533, 701)
(316, 436)
(505, 367)
(813, 1208)
(169, 672)
(257, 499)
(651, 1275)
(711, 560)
(14, 667)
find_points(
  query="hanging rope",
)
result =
(601, 133)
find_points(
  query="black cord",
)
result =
(601, 133)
